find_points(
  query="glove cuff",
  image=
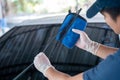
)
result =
(46, 68)
(93, 47)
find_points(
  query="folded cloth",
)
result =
(65, 34)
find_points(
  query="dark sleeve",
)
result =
(108, 69)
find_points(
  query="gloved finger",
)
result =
(37, 58)
(41, 57)
(36, 62)
(41, 53)
(77, 31)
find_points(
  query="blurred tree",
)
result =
(45, 6)
(4, 7)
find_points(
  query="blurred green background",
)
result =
(22, 7)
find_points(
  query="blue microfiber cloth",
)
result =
(65, 34)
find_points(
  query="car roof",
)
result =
(51, 19)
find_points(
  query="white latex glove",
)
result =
(85, 43)
(42, 63)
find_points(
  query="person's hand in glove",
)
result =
(42, 63)
(85, 43)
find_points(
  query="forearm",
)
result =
(104, 51)
(53, 74)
